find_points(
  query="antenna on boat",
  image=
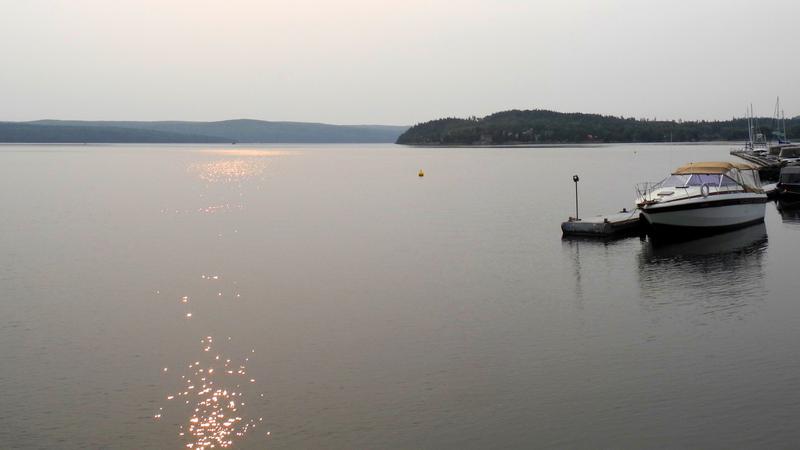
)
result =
(576, 179)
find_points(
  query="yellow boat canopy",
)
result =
(711, 167)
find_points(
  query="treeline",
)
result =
(550, 127)
(16, 132)
(240, 130)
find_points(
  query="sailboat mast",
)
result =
(777, 114)
(779, 123)
(783, 119)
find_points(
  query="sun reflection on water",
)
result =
(252, 152)
(228, 170)
(214, 388)
(213, 397)
(236, 166)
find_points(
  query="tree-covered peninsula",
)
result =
(550, 127)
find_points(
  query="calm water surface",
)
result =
(327, 297)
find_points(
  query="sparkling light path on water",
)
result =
(215, 387)
(213, 399)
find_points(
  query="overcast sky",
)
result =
(395, 61)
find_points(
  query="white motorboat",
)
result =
(704, 197)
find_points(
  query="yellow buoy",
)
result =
(421, 173)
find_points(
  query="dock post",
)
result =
(576, 179)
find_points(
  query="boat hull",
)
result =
(706, 215)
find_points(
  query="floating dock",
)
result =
(624, 222)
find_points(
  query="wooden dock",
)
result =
(621, 223)
(768, 168)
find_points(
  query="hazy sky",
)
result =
(394, 61)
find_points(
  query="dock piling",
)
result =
(576, 179)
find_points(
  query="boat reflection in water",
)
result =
(600, 266)
(790, 212)
(722, 275)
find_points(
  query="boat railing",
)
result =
(645, 188)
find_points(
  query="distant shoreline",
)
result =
(228, 144)
(544, 127)
(572, 144)
(498, 146)
(240, 131)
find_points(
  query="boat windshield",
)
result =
(701, 179)
(728, 182)
(733, 178)
(675, 181)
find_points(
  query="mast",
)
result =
(779, 123)
(783, 119)
(755, 124)
(776, 114)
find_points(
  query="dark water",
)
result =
(374, 309)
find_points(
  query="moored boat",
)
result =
(779, 131)
(703, 198)
(756, 141)
(789, 153)
(789, 183)
(775, 149)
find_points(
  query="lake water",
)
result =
(341, 301)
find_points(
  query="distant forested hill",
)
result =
(36, 133)
(244, 131)
(550, 127)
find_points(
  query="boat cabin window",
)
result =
(728, 182)
(701, 179)
(675, 181)
(792, 178)
(750, 178)
(792, 152)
